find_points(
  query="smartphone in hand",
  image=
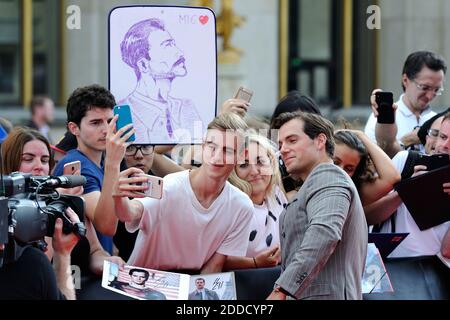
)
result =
(124, 119)
(71, 167)
(244, 94)
(385, 101)
(155, 186)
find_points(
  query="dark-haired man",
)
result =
(323, 231)
(202, 293)
(42, 111)
(395, 216)
(89, 110)
(422, 80)
(136, 286)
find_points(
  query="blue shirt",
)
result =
(94, 181)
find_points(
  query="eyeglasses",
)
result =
(146, 150)
(433, 133)
(423, 87)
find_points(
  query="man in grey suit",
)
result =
(323, 231)
(202, 293)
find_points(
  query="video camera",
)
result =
(30, 206)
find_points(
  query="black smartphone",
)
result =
(434, 161)
(289, 184)
(385, 100)
(283, 169)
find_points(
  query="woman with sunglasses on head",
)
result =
(259, 177)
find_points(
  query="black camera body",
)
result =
(33, 205)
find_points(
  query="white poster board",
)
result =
(163, 63)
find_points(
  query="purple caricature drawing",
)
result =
(149, 49)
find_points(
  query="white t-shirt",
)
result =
(264, 230)
(406, 121)
(177, 232)
(417, 243)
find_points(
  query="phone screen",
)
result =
(385, 101)
(125, 118)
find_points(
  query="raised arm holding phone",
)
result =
(385, 131)
(422, 80)
(239, 104)
(169, 227)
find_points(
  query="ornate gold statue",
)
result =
(227, 21)
(202, 3)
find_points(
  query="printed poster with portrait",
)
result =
(214, 286)
(163, 64)
(145, 284)
(148, 284)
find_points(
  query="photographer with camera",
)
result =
(422, 81)
(28, 151)
(32, 276)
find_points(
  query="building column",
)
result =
(27, 51)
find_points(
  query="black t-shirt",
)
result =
(31, 277)
(124, 241)
(81, 256)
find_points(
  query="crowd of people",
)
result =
(305, 202)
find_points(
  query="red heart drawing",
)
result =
(203, 19)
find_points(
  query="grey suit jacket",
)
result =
(209, 295)
(323, 234)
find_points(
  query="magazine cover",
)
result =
(149, 284)
(145, 284)
(215, 286)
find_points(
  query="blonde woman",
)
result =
(259, 177)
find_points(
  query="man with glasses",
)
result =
(140, 156)
(422, 80)
(394, 216)
(429, 132)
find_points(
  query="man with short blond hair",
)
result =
(201, 218)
